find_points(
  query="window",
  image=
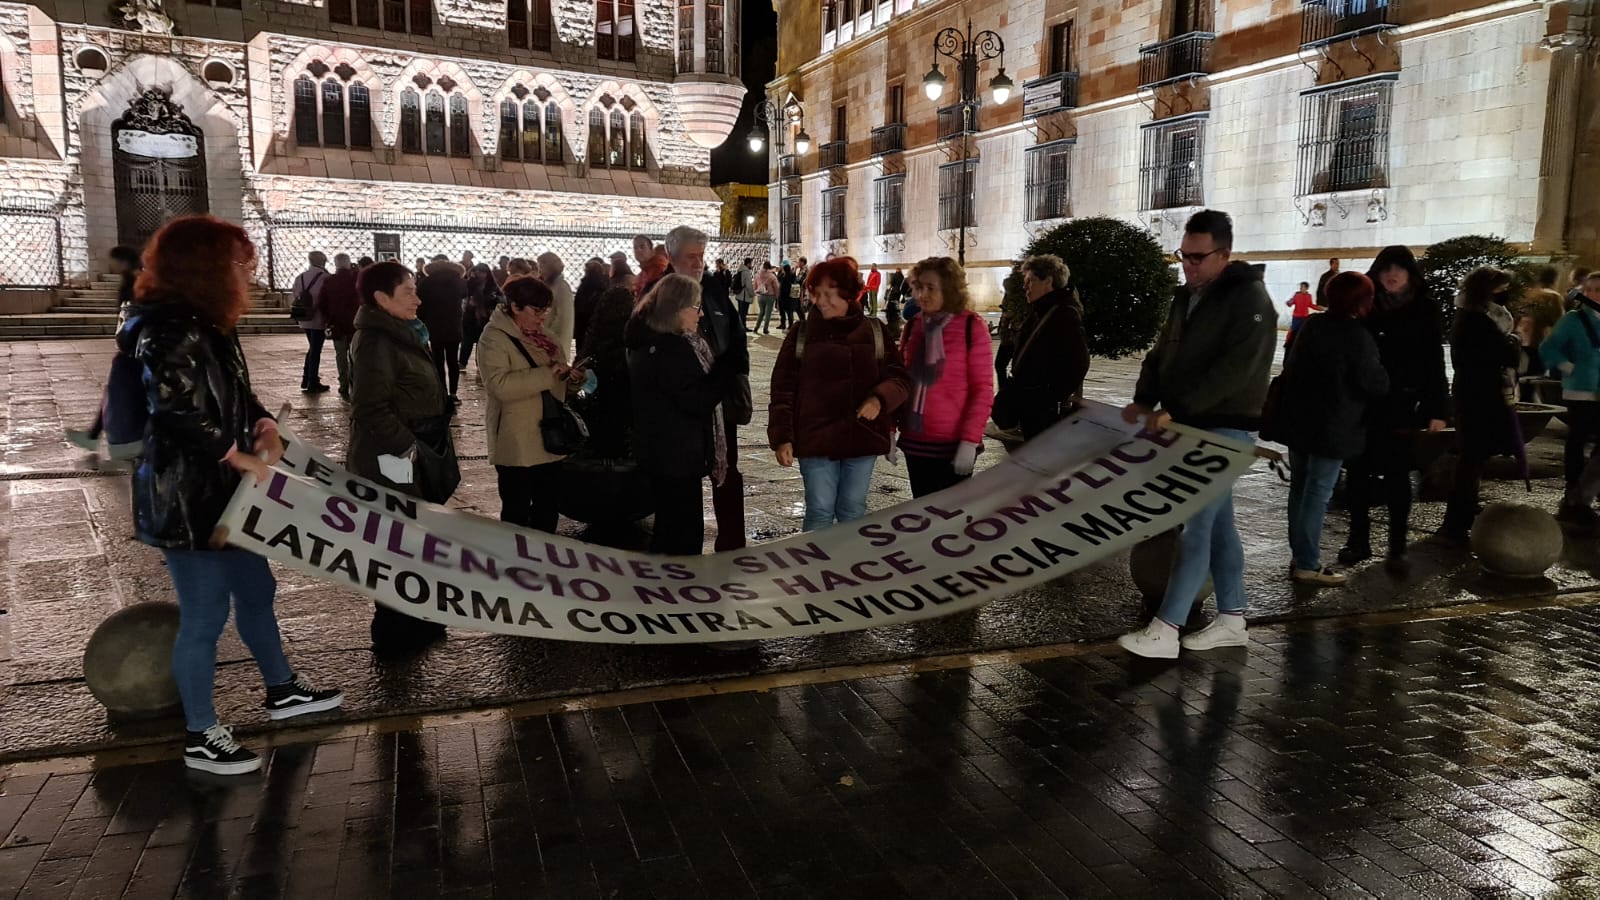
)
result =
(888, 205)
(411, 16)
(1344, 136)
(841, 122)
(1171, 163)
(833, 228)
(1190, 16)
(617, 138)
(1060, 48)
(957, 202)
(828, 21)
(597, 138)
(716, 61)
(789, 220)
(433, 123)
(528, 24)
(613, 29)
(1049, 190)
(553, 147)
(896, 107)
(685, 35)
(617, 155)
(330, 114)
(636, 144)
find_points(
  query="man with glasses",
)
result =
(1207, 370)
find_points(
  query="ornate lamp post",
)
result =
(967, 50)
(770, 117)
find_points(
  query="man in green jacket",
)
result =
(1208, 370)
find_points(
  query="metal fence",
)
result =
(30, 248)
(289, 243)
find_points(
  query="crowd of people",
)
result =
(870, 366)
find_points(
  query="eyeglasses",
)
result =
(1194, 259)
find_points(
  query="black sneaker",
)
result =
(296, 698)
(214, 750)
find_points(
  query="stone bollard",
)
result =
(1150, 564)
(128, 663)
(1516, 540)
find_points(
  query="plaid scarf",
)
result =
(719, 466)
(927, 368)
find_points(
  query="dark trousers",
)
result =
(312, 375)
(930, 476)
(530, 495)
(1462, 509)
(1379, 478)
(680, 528)
(727, 499)
(744, 313)
(447, 354)
(1583, 429)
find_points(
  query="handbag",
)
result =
(739, 405)
(436, 471)
(563, 430)
(1272, 425)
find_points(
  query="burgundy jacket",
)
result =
(815, 396)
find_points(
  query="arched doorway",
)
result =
(159, 164)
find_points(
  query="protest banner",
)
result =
(1086, 488)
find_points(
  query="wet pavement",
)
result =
(1399, 755)
(67, 560)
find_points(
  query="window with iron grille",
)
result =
(1060, 48)
(410, 16)
(1049, 189)
(716, 62)
(1326, 21)
(956, 198)
(833, 226)
(888, 204)
(327, 114)
(1344, 136)
(685, 35)
(613, 29)
(789, 220)
(528, 25)
(434, 124)
(1171, 163)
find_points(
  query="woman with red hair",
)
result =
(1330, 376)
(205, 431)
(951, 362)
(835, 389)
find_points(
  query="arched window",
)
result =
(360, 117)
(460, 127)
(552, 133)
(618, 157)
(686, 35)
(636, 145)
(410, 122)
(305, 112)
(434, 129)
(332, 113)
(508, 128)
(530, 131)
(597, 137)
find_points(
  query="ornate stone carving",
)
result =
(154, 112)
(144, 15)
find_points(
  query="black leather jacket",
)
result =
(200, 404)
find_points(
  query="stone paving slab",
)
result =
(1391, 756)
(67, 560)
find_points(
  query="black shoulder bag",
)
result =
(561, 428)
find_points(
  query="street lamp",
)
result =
(967, 50)
(802, 142)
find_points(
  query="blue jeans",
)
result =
(205, 579)
(1311, 481)
(764, 303)
(836, 489)
(1208, 545)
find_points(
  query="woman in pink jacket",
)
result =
(951, 363)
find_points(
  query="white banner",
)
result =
(1087, 488)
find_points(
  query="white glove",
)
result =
(966, 457)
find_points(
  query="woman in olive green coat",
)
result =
(395, 392)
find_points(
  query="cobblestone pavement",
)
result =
(67, 560)
(1395, 755)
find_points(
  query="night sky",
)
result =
(733, 161)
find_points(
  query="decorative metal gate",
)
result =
(158, 157)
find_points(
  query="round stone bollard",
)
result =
(1150, 564)
(128, 663)
(1516, 540)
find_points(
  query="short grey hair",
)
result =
(667, 300)
(1048, 267)
(678, 239)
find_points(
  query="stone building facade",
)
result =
(1328, 128)
(372, 127)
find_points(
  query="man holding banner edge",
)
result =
(1208, 369)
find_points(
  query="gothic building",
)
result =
(373, 127)
(1328, 128)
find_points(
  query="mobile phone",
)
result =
(582, 363)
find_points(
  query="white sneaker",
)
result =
(1324, 576)
(1158, 640)
(1224, 631)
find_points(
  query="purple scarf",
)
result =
(926, 369)
(719, 467)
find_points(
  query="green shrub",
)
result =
(1122, 276)
(1446, 263)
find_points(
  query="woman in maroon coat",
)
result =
(835, 389)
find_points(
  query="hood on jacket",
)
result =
(374, 318)
(1399, 255)
(444, 267)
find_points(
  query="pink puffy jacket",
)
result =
(958, 404)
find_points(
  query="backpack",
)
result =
(301, 307)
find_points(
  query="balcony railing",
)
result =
(952, 123)
(789, 166)
(1049, 94)
(831, 155)
(1324, 21)
(1181, 57)
(889, 139)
